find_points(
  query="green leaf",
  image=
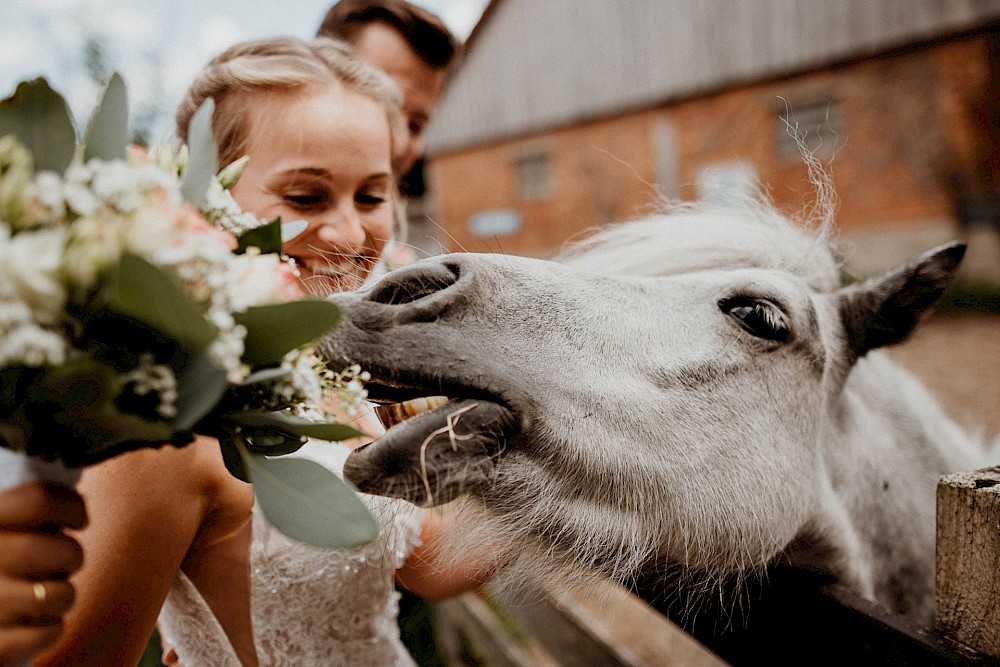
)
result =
(273, 443)
(266, 375)
(39, 117)
(107, 133)
(267, 238)
(273, 331)
(202, 155)
(200, 385)
(232, 458)
(145, 293)
(308, 503)
(294, 426)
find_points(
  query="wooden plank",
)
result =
(794, 621)
(795, 616)
(469, 633)
(968, 559)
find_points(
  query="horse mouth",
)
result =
(435, 449)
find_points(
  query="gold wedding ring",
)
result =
(41, 594)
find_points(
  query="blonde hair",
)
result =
(278, 65)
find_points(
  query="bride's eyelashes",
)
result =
(370, 199)
(310, 201)
(305, 201)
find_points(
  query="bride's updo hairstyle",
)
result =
(266, 69)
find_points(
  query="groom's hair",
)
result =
(426, 34)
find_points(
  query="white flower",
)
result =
(77, 191)
(231, 173)
(46, 201)
(94, 245)
(220, 209)
(259, 280)
(31, 266)
(152, 378)
(33, 346)
(348, 387)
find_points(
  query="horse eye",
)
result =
(758, 317)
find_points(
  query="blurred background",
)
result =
(157, 45)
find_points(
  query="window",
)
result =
(819, 125)
(534, 178)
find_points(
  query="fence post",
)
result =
(968, 559)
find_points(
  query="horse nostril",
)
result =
(412, 283)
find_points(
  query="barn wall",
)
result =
(533, 64)
(904, 122)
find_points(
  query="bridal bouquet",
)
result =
(139, 306)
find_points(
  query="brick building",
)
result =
(567, 114)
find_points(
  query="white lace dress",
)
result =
(309, 606)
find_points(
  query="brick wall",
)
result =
(902, 121)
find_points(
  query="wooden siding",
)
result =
(535, 64)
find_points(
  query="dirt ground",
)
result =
(958, 358)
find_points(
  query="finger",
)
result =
(34, 603)
(19, 644)
(40, 505)
(39, 555)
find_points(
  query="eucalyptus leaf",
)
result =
(267, 238)
(267, 375)
(232, 458)
(273, 331)
(202, 155)
(107, 133)
(200, 385)
(145, 293)
(294, 426)
(308, 503)
(40, 119)
(269, 442)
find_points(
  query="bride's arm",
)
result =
(433, 574)
(145, 510)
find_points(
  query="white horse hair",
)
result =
(693, 395)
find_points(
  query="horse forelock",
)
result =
(687, 237)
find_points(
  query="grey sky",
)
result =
(157, 45)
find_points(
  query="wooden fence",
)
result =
(793, 621)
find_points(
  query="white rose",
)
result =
(94, 244)
(46, 204)
(31, 263)
(259, 280)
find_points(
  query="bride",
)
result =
(172, 528)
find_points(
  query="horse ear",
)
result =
(885, 310)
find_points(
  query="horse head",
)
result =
(674, 394)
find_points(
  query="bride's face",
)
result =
(322, 155)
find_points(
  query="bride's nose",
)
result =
(342, 227)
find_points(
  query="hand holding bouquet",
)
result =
(128, 319)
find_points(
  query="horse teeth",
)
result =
(396, 413)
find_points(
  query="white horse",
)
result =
(693, 395)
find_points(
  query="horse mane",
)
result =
(689, 237)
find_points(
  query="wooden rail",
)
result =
(793, 621)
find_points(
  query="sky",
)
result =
(157, 45)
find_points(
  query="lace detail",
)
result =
(309, 606)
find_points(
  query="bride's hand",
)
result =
(36, 558)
